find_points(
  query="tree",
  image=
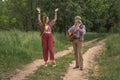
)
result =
(112, 22)
(97, 15)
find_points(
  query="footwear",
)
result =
(46, 64)
(81, 68)
(53, 63)
(75, 67)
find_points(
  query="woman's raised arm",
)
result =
(55, 17)
(39, 16)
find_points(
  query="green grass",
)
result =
(90, 36)
(109, 61)
(50, 73)
(61, 42)
(19, 48)
(58, 72)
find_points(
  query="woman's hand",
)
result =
(56, 9)
(38, 9)
(55, 17)
(39, 18)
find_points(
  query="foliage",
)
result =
(97, 15)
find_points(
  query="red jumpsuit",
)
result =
(47, 41)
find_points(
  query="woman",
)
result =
(79, 30)
(47, 37)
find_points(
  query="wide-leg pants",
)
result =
(48, 46)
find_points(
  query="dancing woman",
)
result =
(47, 37)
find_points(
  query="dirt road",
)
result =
(32, 67)
(89, 56)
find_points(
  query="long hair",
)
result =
(44, 19)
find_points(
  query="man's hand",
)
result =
(69, 33)
(78, 28)
(38, 9)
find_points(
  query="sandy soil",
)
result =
(30, 68)
(89, 56)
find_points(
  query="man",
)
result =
(79, 30)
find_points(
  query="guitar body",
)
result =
(71, 37)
